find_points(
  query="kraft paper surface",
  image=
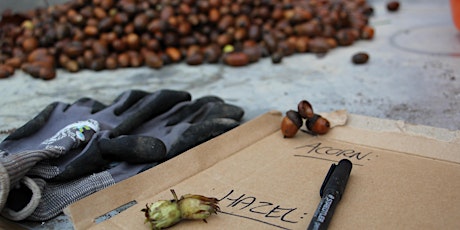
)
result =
(399, 180)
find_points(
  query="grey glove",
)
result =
(181, 128)
(184, 126)
(63, 156)
(41, 200)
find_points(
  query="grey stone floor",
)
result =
(413, 75)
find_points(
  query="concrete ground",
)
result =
(413, 75)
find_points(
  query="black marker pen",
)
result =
(331, 192)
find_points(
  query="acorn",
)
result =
(174, 54)
(393, 6)
(360, 58)
(318, 124)
(6, 71)
(30, 44)
(305, 109)
(291, 123)
(277, 57)
(236, 59)
(152, 60)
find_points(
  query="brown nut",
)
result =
(345, 37)
(291, 123)
(254, 52)
(39, 70)
(46, 73)
(318, 125)
(152, 60)
(91, 31)
(14, 62)
(360, 58)
(236, 59)
(73, 49)
(393, 6)
(123, 60)
(194, 55)
(367, 32)
(30, 44)
(132, 40)
(277, 57)
(71, 66)
(37, 54)
(318, 45)
(6, 71)
(305, 109)
(135, 59)
(212, 53)
(97, 64)
(111, 62)
(174, 54)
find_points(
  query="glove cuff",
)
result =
(28, 209)
(4, 185)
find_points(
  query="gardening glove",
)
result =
(184, 126)
(42, 200)
(31, 143)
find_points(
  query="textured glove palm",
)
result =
(46, 138)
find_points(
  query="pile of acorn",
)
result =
(111, 34)
(293, 121)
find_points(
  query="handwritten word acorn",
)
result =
(291, 123)
(318, 124)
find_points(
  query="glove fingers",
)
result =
(35, 124)
(150, 106)
(208, 111)
(84, 162)
(185, 111)
(51, 111)
(198, 133)
(133, 149)
(126, 99)
(221, 110)
(94, 106)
